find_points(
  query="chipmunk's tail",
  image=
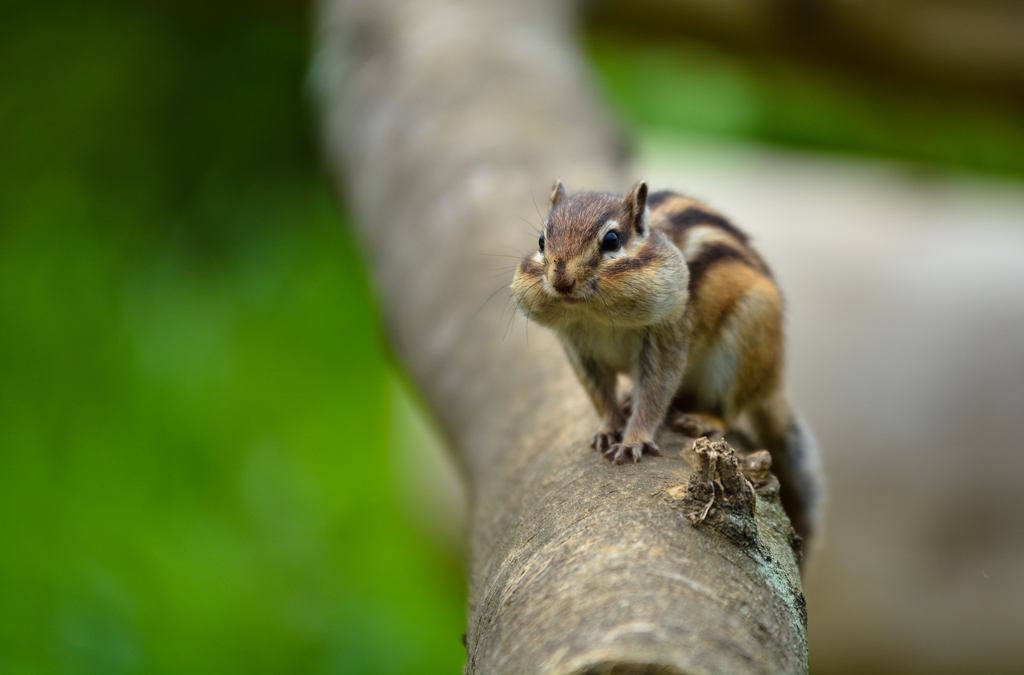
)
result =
(795, 463)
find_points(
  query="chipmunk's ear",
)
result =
(636, 205)
(557, 193)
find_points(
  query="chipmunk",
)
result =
(667, 291)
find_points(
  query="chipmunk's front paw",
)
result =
(605, 439)
(620, 453)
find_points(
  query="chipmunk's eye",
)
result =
(540, 242)
(610, 242)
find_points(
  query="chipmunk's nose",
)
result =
(564, 285)
(562, 277)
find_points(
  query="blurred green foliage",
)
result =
(193, 389)
(691, 86)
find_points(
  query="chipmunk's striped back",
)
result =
(732, 297)
(704, 236)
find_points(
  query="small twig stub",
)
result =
(719, 494)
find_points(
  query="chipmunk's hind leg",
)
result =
(697, 424)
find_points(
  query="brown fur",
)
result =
(686, 308)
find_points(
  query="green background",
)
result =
(193, 385)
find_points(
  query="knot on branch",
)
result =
(757, 467)
(718, 493)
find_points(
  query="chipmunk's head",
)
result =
(598, 259)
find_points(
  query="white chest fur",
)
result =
(616, 348)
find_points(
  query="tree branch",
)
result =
(441, 118)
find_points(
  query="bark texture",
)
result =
(441, 118)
